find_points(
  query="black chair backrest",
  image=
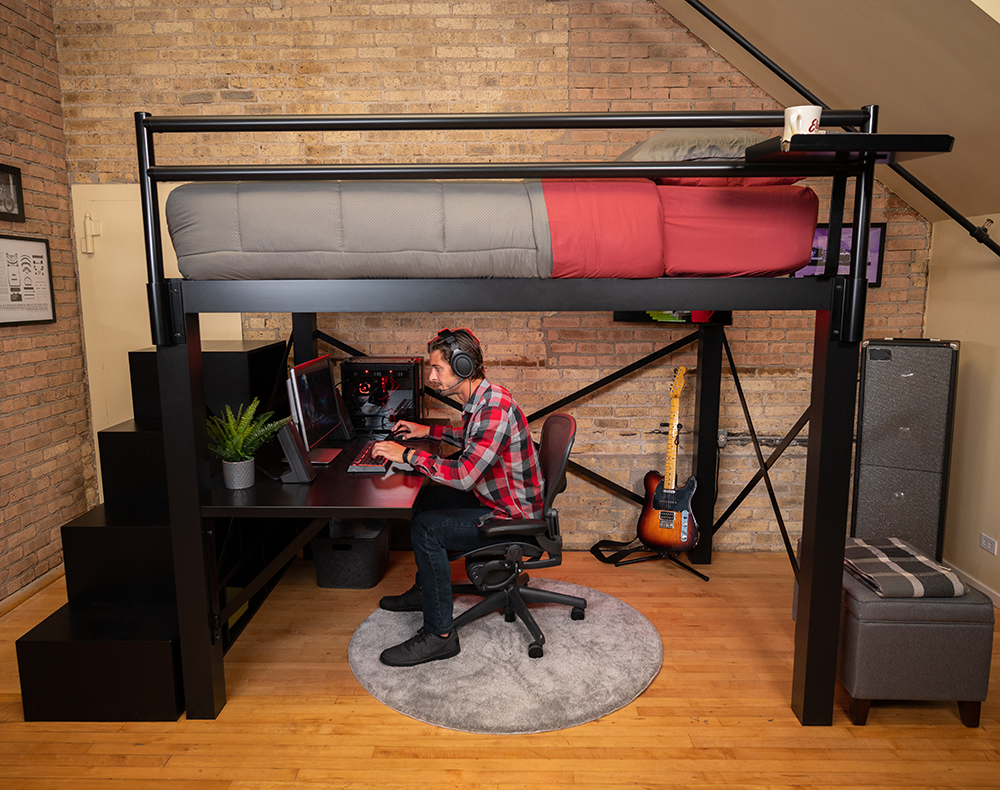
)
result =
(558, 434)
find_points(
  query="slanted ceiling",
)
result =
(931, 66)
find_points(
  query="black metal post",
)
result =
(182, 403)
(304, 346)
(825, 514)
(836, 223)
(853, 327)
(705, 456)
(156, 286)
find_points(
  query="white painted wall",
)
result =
(113, 296)
(963, 303)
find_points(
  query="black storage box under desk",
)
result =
(354, 555)
(102, 662)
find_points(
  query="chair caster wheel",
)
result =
(577, 613)
(535, 651)
(508, 614)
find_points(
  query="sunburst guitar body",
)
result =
(666, 522)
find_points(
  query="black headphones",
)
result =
(462, 363)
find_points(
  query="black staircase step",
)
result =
(110, 560)
(102, 662)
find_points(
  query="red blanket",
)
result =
(737, 231)
(604, 228)
(637, 229)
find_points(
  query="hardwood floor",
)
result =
(717, 715)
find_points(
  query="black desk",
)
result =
(335, 493)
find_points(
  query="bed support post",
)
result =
(705, 456)
(826, 503)
(824, 523)
(182, 400)
(304, 346)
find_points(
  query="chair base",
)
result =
(514, 602)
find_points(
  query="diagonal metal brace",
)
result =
(613, 377)
(771, 460)
(760, 458)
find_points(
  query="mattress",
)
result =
(603, 228)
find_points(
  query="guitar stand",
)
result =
(618, 558)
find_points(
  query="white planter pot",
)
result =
(238, 474)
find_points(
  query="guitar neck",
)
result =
(670, 471)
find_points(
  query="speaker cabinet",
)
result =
(905, 417)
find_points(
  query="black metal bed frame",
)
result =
(838, 302)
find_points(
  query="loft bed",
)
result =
(838, 302)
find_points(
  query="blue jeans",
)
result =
(447, 519)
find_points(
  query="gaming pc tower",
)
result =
(380, 390)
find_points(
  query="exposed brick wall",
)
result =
(298, 56)
(46, 453)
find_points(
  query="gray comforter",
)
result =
(360, 229)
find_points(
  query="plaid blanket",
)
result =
(894, 569)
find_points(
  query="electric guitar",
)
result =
(666, 522)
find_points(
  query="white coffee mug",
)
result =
(803, 119)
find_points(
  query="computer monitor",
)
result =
(313, 399)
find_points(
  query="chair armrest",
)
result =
(515, 526)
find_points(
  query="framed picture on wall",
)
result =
(11, 196)
(26, 287)
(876, 252)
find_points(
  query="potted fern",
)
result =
(235, 439)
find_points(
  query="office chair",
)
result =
(497, 572)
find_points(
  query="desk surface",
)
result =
(335, 493)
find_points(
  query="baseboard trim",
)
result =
(15, 599)
(965, 577)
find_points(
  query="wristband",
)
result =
(406, 455)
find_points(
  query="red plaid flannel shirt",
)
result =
(498, 460)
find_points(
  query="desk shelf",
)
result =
(887, 148)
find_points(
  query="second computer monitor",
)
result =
(314, 401)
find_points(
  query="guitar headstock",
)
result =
(678, 385)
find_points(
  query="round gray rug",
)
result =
(591, 667)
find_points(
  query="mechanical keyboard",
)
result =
(364, 462)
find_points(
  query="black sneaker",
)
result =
(422, 648)
(410, 601)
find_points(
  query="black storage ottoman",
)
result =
(354, 554)
(915, 649)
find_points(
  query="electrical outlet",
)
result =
(988, 543)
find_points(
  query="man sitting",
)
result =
(495, 476)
